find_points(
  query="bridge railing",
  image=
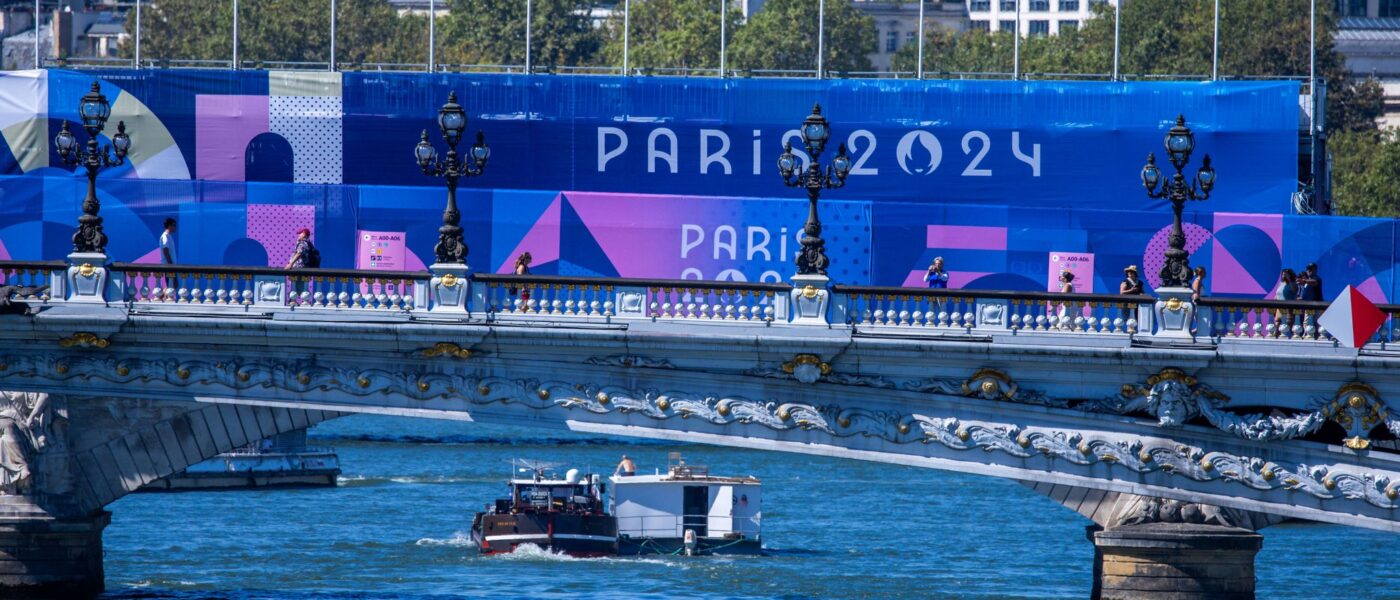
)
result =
(1241, 318)
(893, 309)
(267, 286)
(24, 273)
(912, 308)
(604, 297)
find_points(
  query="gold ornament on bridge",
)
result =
(83, 340)
(990, 384)
(87, 270)
(807, 368)
(1174, 304)
(123, 371)
(483, 390)
(809, 292)
(449, 280)
(447, 349)
(1358, 409)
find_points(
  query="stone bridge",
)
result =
(1178, 427)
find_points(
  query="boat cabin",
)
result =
(656, 511)
(571, 494)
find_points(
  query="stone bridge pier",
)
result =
(1148, 548)
(63, 458)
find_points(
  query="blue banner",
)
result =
(1005, 143)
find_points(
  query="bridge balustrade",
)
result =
(1240, 318)
(910, 308)
(33, 274)
(530, 296)
(604, 297)
(248, 286)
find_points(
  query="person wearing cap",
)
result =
(1310, 284)
(302, 251)
(1131, 285)
(626, 468)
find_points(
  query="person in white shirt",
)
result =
(167, 249)
(167, 243)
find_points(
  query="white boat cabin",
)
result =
(664, 506)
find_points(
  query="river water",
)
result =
(397, 527)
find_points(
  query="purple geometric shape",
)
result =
(275, 226)
(225, 125)
(1153, 258)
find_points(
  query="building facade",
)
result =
(1036, 17)
(897, 24)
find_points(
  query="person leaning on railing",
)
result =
(1131, 283)
(1287, 291)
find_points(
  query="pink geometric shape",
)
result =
(1153, 258)
(150, 258)
(1228, 276)
(1271, 225)
(225, 125)
(4, 254)
(1371, 289)
(966, 237)
(639, 233)
(542, 241)
(276, 226)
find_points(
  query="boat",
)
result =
(281, 461)
(687, 511)
(562, 515)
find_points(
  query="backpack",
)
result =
(313, 257)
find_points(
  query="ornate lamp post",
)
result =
(452, 121)
(94, 110)
(1176, 273)
(811, 259)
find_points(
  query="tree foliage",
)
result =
(783, 36)
(1365, 171)
(492, 32)
(681, 34)
(277, 31)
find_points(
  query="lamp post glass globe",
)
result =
(1205, 177)
(94, 110)
(787, 163)
(842, 163)
(480, 151)
(121, 142)
(1151, 175)
(424, 152)
(1180, 142)
(815, 132)
(65, 142)
(452, 120)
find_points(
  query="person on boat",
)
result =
(626, 468)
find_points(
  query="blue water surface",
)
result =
(397, 527)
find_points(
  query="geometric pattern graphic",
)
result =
(306, 109)
(275, 227)
(1153, 259)
(311, 124)
(24, 114)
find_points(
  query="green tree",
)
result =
(783, 35)
(492, 32)
(670, 34)
(1365, 165)
(278, 30)
(183, 29)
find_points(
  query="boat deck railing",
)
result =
(674, 526)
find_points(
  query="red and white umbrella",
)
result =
(1352, 318)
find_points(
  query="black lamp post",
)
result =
(811, 259)
(94, 111)
(1179, 142)
(452, 120)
